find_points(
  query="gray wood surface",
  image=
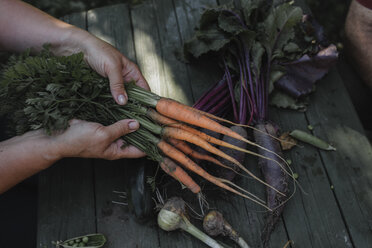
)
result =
(147, 47)
(333, 210)
(349, 169)
(307, 215)
(175, 72)
(113, 24)
(66, 192)
(188, 13)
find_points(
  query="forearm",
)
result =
(24, 156)
(22, 26)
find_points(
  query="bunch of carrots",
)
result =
(46, 91)
(174, 122)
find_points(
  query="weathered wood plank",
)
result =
(116, 221)
(349, 168)
(66, 201)
(175, 72)
(360, 94)
(188, 14)
(311, 220)
(113, 24)
(246, 216)
(307, 217)
(171, 40)
(147, 47)
(203, 74)
(156, 61)
(254, 218)
(66, 195)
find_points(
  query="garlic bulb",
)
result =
(214, 224)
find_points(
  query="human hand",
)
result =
(31, 28)
(109, 62)
(26, 155)
(93, 140)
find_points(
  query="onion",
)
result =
(173, 216)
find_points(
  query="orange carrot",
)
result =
(177, 133)
(187, 150)
(180, 157)
(172, 169)
(209, 115)
(161, 119)
(184, 113)
(180, 134)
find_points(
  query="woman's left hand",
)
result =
(109, 62)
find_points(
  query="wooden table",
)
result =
(75, 195)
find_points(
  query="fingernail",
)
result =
(133, 125)
(121, 99)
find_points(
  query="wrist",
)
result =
(72, 41)
(47, 146)
(53, 151)
(34, 148)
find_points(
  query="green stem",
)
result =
(91, 102)
(137, 108)
(141, 95)
(242, 243)
(146, 142)
(190, 228)
(143, 122)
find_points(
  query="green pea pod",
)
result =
(311, 139)
(95, 240)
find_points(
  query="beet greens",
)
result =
(260, 46)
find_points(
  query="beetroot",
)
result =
(273, 175)
(224, 172)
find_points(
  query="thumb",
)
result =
(121, 128)
(114, 74)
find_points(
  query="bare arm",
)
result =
(26, 155)
(23, 26)
(23, 156)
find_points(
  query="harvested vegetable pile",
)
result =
(45, 91)
(269, 53)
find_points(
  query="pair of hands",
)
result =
(93, 140)
(23, 26)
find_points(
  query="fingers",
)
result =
(121, 128)
(114, 73)
(74, 121)
(130, 152)
(127, 71)
(119, 149)
(131, 72)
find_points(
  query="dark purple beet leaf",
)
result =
(304, 72)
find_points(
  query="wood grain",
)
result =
(66, 192)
